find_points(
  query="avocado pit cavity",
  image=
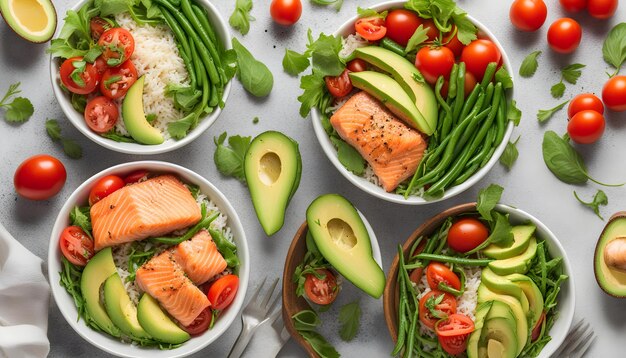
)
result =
(270, 168)
(341, 233)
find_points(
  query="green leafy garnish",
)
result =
(227, 248)
(349, 317)
(431, 305)
(487, 200)
(137, 257)
(229, 159)
(240, 19)
(545, 114)
(79, 102)
(419, 36)
(20, 109)
(558, 89)
(112, 135)
(185, 97)
(70, 147)
(314, 95)
(569, 73)
(295, 63)
(371, 12)
(614, 47)
(255, 77)
(529, 65)
(510, 154)
(93, 54)
(348, 156)
(334, 3)
(503, 76)
(445, 13)
(79, 216)
(306, 320)
(313, 261)
(599, 198)
(255, 120)
(513, 113)
(319, 344)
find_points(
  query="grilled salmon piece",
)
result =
(200, 258)
(392, 148)
(163, 278)
(151, 208)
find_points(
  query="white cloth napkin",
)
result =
(24, 298)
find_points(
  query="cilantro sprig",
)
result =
(599, 198)
(18, 110)
(70, 147)
(569, 73)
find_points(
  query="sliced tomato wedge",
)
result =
(446, 307)
(101, 114)
(79, 76)
(371, 28)
(339, 86)
(223, 291)
(323, 290)
(116, 81)
(117, 46)
(453, 332)
(439, 273)
(76, 245)
(201, 324)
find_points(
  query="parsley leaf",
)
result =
(348, 156)
(419, 36)
(572, 72)
(599, 199)
(314, 95)
(557, 90)
(253, 74)
(487, 200)
(349, 317)
(229, 159)
(545, 114)
(513, 113)
(614, 46)
(240, 18)
(529, 65)
(503, 76)
(295, 63)
(335, 3)
(20, 109)
(510, 154)
(325, 55)
(70, 147)
(466, 31)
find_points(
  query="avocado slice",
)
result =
(157, 323)
(532, 293)
(516, 264)
(479, 321)
(406, 74)
(98, 269)
(391, 94)
(121, 310)
(521, 239)
(273, 167)
(135, 118)
(499, 332)
(343, 240)
(521, 320)
(611, 278)
(33, 20)
(502, 285)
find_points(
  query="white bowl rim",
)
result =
(379, 192)
(111, 344)
(171, 144)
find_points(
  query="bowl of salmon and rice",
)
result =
(148, 258)
(141, 77)
(414, 109)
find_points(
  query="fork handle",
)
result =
(242, 341)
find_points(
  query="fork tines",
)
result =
(578, 341)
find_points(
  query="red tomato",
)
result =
(135, 176)
(286, 12)
(433, 31)
(564, 35)
(447, 306)
(79, 76)
(76, 245)
(371, 28)
(401, 24)
(98, 26)
(528, 15)
(586, 127)
(453, 333)
(466, 234)
(200, 324)
(101, 66)
(223, 291)
(433, 62)
(584, 101)
(39, 177)
(104, 187)
(614, 93)
(357, 65)
(451, 41)
(537, 330)
(437, 272)
(117, 80)
(478, 54)
(573, 5)
(101, 114)
(339, 86)
(602, 9)
(322, 291)
(470, 83)
(118, 45)
(416, 275)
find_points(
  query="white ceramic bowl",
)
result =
(362, 183)
(110, 344)
(77, 119)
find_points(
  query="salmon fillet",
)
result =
(163, 278)
(392, 148)
(200, 258)
(151, 208)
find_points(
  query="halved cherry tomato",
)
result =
(286, 12)
(101, 65)
(357, 65)
(586, 127)
(200, 324)
(76, 245)
(416, 275)
(451, 41)
(79, 76)
(466, 234)
(584, 101)
(39, 177)
(447, 307)
(433, 62)
(573, 5)
(564, 35)
(339, 86)
(105, 187)
(223, 291)
(528, 15)
(371, 28)
(117, 80)
(439, 273)
(478, 54)
(98, 26)
(117, 46)
(614, 94)
(322, 291)
(401, 24)
(135, 176)
(453, 332)
(537, 330)
(101, 114)
(602, 9)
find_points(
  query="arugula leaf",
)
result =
(79, 216)
(513, 113)
(599, 198)
(20, 109)
(348, 156)
(335, 3)
(314, 95)
(229, 159)
(557, 90)
(371, 12)
(614, 47)
(255, 77)
(545, 114)
(503, 76)
(487, 200)
(349, 317)
(419, 36)
(295, 63)
(70, 147)
(572, 72)
(240, 18)
(510, 154)
(529, 65)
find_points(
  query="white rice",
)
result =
(351, 43)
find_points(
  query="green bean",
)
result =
(501, 120)
(437, 189)
(469, 171)
(487, 145)
(460, 92)
(452, 82)
(442, 235)
(197, 65)
(430, 246)
(542, 263)
(184, 49)
(462, 277)
(408, 352)
(447, 119)
(403, 302)
(471, 128)
(433, 159)
(204, 223)
(214, 100)
(415, 245)
(445, 288)
(454, 260)
(487, 157)
(393, 46)
(488, 76)
(488, 95)
(202, 15)
(470, 103)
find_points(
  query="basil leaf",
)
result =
(599, 198)
(510, 154)
(325, 55)
(79, 102)
(295, 63)
(335, 3)
(501, 234)
(563, 160)
(349, 317)
(614, 46)
(529, 65)
(306, 320)
(348, 156)
(487, 200)
(71, 148)
(319, 344)
(255, 77)
(229, 159)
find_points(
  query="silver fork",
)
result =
(254, 314)
(577, 342)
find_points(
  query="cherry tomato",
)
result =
(470, 83)
(573, 5)
(371, 28)
(105, 187)
(528, 15)
(478, 54)
(98, 26)
(432, 30)
(447, 307)
(357, 65)
(118, 45)
(453, 333)
(101, 114)
(339, 86)
(322, 291)
(437, 273)
(451, 41)
(76, 245)
(584, 101)
(537, 330)
(602, 9)
(39, 177)
(101, 66)
(614, 93)
(223, 291)
(401, 24)
(286, 12)
(466, 234)
(564, 35)
(201, 324)
(433, 62)
(135, 176)
(416, 275)
(586, 127)
(117, 80)
(79, 76)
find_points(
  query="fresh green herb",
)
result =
(370, 13)
(314, 94)
(229, 159)
(93, 54)
(240, 19)
(151, 117)
(207, 218)
(70, 147)
(569, 73)
(529, 65)
(503, 76)
(306, 320)
(118, 138)
(111, 80)
(185, 97)
(255, 120)
(255, 77)
(70, 279)
(348, 156)
(334, 3)
(227, 248)
(545, 114)
(431, 305)
(79, 216)
(137, 257)
(20, 109)
(558, 89)
(313, 261)
(445, 13)
(76, 75)
(79, 102)
(349, 317)
(510, 154)
(614, 47)
(501, 234)
(319, 344)
(295, 63)
(53, 129)
(599, 199)
(513, 113)
(487, 200)
(419, 36)
(181, 127)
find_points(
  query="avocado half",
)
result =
(611, 280)
(33, 20)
